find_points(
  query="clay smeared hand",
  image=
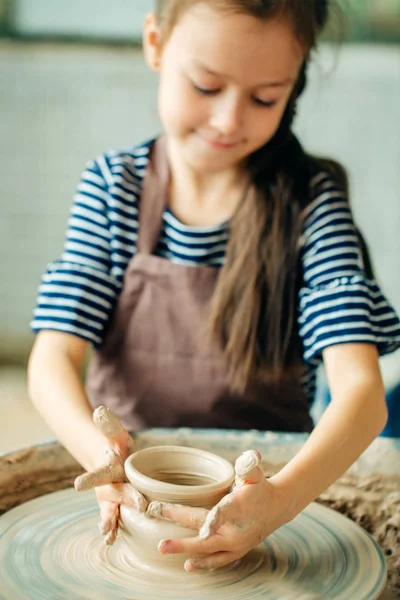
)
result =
(109, 480)
(237, 524)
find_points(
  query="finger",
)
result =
(107, 423)
(187, 516)
(123, 446)
(192, 546)
(119, 439)
(109, 513)
(112, 536)
(247, 468)
(209, 563)
(217, 516)
(131, 497)
(121, 493)
(113, 473)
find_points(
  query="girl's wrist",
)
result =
(288, 495)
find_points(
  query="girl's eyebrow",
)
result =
(285, 82)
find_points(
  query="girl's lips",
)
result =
(219, 145)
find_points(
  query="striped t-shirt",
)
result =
(337, 303)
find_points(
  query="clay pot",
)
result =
(177, 475)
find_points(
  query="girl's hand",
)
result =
(238, 523)
(110, 480)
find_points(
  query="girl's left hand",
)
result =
(109, 480)
(238, 523)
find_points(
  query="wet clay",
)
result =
(171, 475)
(33, 472)
(373, 501)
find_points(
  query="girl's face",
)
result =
(225, 80)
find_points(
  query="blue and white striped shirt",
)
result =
(337, 303)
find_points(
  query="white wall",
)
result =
(91, 18)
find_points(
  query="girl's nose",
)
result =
(228, 115)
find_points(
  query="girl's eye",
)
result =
(204, 91)
(210, 92)
(265, 103)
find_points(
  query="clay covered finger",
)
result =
(131, 497)
(121, 493)
(217, 516)
(188, 516)
(247, 468)
(209, 563)
(111, 473)
(108, 526)
(107, 423)
(118, 437)
(112, 535)
(193, 546)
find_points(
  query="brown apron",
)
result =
(155, 368)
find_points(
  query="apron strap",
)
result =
(153, 198)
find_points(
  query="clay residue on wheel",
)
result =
(373, 502)
(33, 472)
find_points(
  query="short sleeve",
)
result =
(78, 292)
(338, 303)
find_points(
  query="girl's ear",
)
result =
(152, 42)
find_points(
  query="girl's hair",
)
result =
(254, 306)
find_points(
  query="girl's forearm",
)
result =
(57, 391)
(345, 430)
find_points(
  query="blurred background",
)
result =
(73, 84)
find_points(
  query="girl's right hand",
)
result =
(109, 480)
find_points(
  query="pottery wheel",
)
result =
(51, 547)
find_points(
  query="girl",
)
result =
(213, 269)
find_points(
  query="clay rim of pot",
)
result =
(221, 471)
